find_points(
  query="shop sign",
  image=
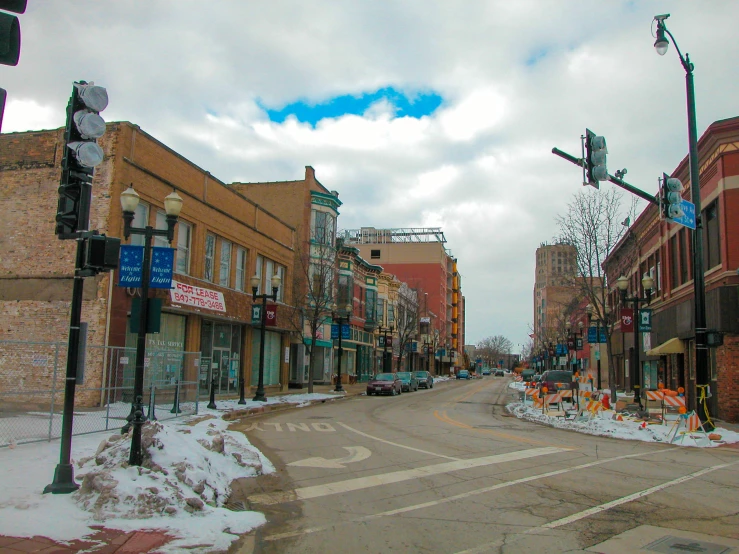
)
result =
(198, 297)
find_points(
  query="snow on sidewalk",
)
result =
(189, 464)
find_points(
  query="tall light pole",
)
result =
(647, 283)
(340, 317)
(699, 284)
(259, 396)
(172, 206)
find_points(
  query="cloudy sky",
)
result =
(421, 113)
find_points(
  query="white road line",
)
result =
(378, 439)
(461, 496)
(484, 548)
(359, 483)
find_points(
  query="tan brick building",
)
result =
(222, 239)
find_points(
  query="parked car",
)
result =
(425, 379)
(486, 371)
(410, 383)
(556, 379)
(384, 383)
(499, 373)
(463, 374)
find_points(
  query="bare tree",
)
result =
(491, 349)
(313, 295)
(407, 321)
(594, 224)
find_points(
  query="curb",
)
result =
(248, 412)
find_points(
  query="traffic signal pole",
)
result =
(615, 180)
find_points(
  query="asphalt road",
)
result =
(446, 470)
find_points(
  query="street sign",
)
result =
(688, 217)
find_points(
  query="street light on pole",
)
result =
(254, 281)
(699, 284)
(647, 283)
(172, 207)
(339, 317)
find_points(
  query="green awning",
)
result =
(319, 342)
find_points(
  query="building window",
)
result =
(674, 262)
(140, 220)
(375, 254)
(224, 272)
(258, 273)
(344, 295)
(161, 225)
(280, 270)
(712, 255)
(210, 252)
(371, 299)
(184, 238)
(241, 256)
(683, 256)
(323, 227)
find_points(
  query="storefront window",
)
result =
(164, 352)
(272, 344)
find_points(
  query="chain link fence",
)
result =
(33, 375)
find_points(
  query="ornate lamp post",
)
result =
(699, 283)
(340, 317)
(647, 283)
(384, 332)
(172, 206)
(259, 396)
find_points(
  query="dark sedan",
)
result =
(425, 379)
(410, 383)
(384, 383)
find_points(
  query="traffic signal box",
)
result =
(595, 159)
(10, 40)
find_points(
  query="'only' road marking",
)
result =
(359, 483)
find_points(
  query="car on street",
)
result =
(408, 380)
(425, 379)
(499, 373)
(463, 374)
(384, 383)
(486, 371)
(528, 374)
(555, 380)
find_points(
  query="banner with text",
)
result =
(129, 268)
(162, 262)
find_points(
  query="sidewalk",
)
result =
(108, 541)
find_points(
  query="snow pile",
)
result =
(441, 378)
(517, 386)
(182, 486)
(604, 424)
(184, 469)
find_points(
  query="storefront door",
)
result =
(225, 381)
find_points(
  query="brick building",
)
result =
(665, 251)
(222, 239)
(312, 210)
(418, 257)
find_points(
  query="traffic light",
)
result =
(671, 197)
(595, 159)
(102, 253)
(81, 155)
(10, 40)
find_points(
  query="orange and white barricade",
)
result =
(519, 378)
(531, 393)
(687, 424)
(589, 409)
(549, 399)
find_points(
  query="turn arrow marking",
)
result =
(356, 454)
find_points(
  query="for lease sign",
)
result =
(190, 295)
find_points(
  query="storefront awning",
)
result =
(319, 342)
(672, 346)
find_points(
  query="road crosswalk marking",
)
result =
(349, 485)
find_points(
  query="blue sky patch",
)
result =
(416, 106)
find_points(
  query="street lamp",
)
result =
(172, 207)
(647, 283)
(339, 317)
(384, 332)
(259, 396)
(699, 283)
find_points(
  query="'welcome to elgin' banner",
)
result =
(190, 295)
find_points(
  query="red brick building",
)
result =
(222, 239)
(665, 251)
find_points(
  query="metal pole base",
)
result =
(339, 388)
(63, 480)
(260, 397)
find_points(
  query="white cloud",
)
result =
(517, 78)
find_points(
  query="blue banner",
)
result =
(344, 331)
(131, 263)
(162, 263)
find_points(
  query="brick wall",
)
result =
(727, 363)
